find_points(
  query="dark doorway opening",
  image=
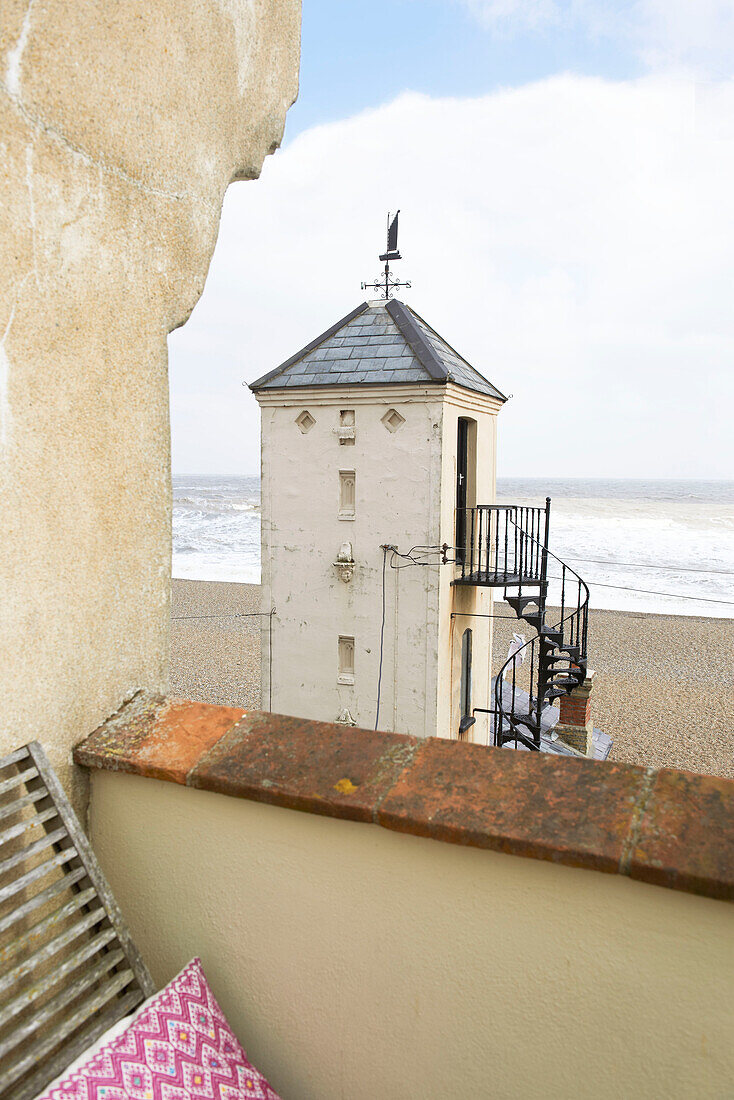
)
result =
(462, 473)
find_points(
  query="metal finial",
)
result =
(387, 283)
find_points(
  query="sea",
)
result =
(663, 547)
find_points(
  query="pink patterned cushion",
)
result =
(180, 1047)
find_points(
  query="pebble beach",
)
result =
(664, 685)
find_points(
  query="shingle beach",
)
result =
(664, 686)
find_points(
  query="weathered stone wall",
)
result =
(121, 126)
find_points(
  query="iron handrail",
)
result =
(578, 638)
(489, 552)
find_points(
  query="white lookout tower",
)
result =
(378, 442)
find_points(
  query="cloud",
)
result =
(572, 238)
(666, 34)
(516, 16)
(697, 37)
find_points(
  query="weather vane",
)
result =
(387, 283)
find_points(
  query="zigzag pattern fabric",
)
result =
(179, 1047)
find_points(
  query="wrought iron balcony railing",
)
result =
(501, 544)
(506, 546)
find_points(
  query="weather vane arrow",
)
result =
(387, 284)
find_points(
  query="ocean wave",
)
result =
(206, 506)
(206, 568)
(633, 546)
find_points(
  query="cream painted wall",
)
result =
(462, 602)
(354, 962)
(405, 485)
(122, 125)
(397, 501)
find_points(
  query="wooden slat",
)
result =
(23, 826)
(54, 977)
(65, 998)
(18, 804)
(14, 757)
(39, 930)
(32, 1085)
(64, 1031)
(32, 849)
(24, 881)
(88, 858)
(77, 983)
(51, 948)
(17, 780)
(28, 823)
(58, 887)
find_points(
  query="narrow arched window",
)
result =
(347, 494)
(466, 674)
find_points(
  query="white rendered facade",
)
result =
(339, 467)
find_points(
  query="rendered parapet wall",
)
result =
(122, 126)
(365, 912)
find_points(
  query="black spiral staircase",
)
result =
(506, 546)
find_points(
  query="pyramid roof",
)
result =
(375, 344)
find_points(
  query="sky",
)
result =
(565, 175)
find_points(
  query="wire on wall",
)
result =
(414, 556)
(382, 631)
(270, 661)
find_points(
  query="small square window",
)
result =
(305, 421)
(393, 420)
(345, 431)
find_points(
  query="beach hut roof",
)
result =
(375, 344)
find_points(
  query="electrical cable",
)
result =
(244, 615)
(645, 565)
(422, 551)
(476, 615)
(642, 565)
(382, 633)
(650, 591)
(655, 592)
(270, 662)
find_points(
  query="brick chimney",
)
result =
(574, 724)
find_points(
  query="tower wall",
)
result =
(397, 500)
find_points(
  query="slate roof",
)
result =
(377, 343)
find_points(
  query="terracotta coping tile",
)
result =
(669, 828)
(160, 738)
(686, 835)
(523, 803)
(327, 769)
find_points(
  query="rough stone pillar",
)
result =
(121, 126)
(575, 726)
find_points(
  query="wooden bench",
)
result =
(68, 967)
